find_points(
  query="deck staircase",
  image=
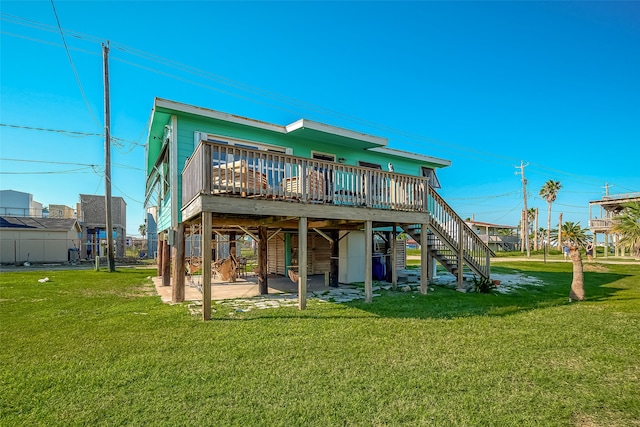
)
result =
(450, 240)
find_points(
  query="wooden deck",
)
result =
(226, 186)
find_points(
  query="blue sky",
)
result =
(483, 84)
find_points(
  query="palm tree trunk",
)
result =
(549, 225)
(577, 284)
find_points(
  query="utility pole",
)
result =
(525, 216)
(107, 159)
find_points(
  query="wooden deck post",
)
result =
(394, 258)
(424, 258)
(460, 254)
(368, 261)
(302, 263)
(166, 264)
(177, 293)
(232, 255)
(263, 268)
(334, 245)
(159, 255)
(206, 265)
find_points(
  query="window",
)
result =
(369, 165)
(431, 174)
(323, 156)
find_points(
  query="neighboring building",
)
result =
(606, 211)
(152, 233)
(92, 217)
(303, 182)
(17, 203)
(497, 237)
(61, 211)
(42, 240)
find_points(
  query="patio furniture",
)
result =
(239, 177)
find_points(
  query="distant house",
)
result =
(61, 211)
(602, 218)
(17, 203)
(92, 217)
(40, 240)
(310, 194)
(497, 237)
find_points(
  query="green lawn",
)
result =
(94, 348)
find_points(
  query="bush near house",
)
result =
(98, 348)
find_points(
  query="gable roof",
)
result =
(29, 223)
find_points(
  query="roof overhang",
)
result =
(407, 155)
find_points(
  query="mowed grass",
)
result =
(94, 348)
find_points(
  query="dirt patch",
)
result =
(597, 268)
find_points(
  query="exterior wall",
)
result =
(92, 215)
(61, 211)
(36, 245)
(17, 203)
(152, 236)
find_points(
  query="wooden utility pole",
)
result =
(107, 159)
(525, 216)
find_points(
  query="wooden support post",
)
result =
(424, 259)
(387, 256)
(334, 245)
(177, 294)
(302, 263)
(394, 258)
(232, 255)
(460, 254)
(206, 265)
(263, 268)
(166, 264)
(159, 256)
(368, 261)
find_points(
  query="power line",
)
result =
(48, 162)
(263, 93)
(46, 172)
(69, 132)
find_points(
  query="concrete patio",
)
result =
(243, 287)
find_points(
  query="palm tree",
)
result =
(571, 233)
(574, 236)
(628, 226)
(549, 192)
(142, 230)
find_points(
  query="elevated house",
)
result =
(312, 195)
(602, 218)
(497, 237)
(93, 219)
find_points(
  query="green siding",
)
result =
(187, 124)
